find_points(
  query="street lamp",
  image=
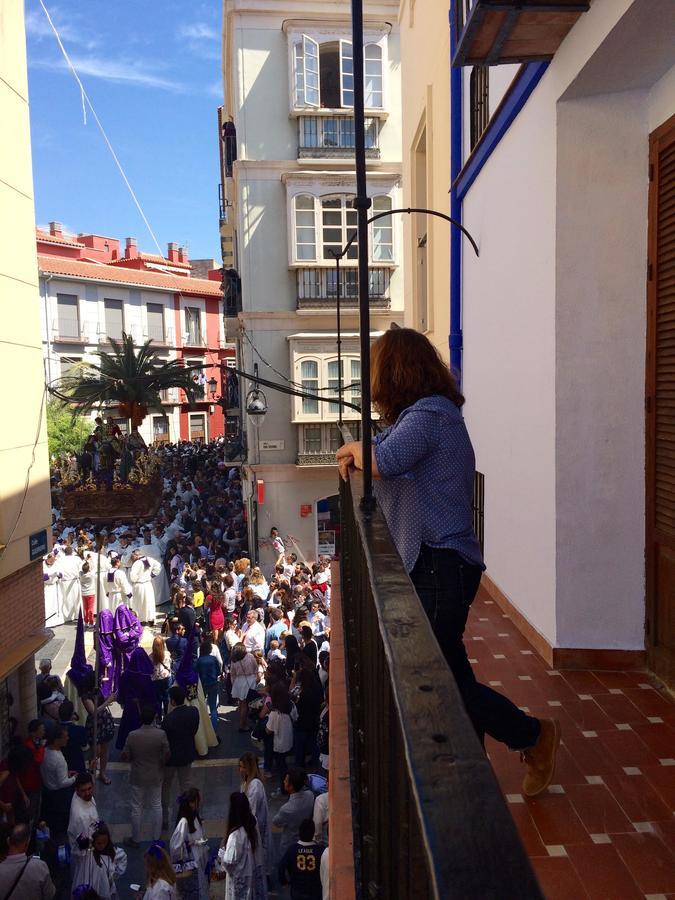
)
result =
(213, 386)
(256, 402)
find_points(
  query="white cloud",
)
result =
(38, 28)
(198, 31)
(215, 89)
(119, 71)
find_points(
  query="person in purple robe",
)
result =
(79, 667)
(128, 632)
(108, 654)
(186, 674)
(136, 690)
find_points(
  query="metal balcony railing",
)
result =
(317, 288)
(430, 820)
(69, 332)
(163, 338)
(326, 136)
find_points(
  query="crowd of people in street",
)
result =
(218, 630)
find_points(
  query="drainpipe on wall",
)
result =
(455, 339)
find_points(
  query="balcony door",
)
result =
(660, 405)
(197, 426)
(114, 319)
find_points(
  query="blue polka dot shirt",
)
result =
(425, 489)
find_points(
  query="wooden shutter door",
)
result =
(660, 405)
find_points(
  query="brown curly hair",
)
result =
(405, 366)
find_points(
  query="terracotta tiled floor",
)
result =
(605, 829)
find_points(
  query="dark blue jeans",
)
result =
(447, 584)
(304, 744)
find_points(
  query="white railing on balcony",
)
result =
(321, 285)
(334, 136)
(69, 331)
(163, 338)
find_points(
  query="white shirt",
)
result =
(281, 725)
(54, 770)
(253, 636)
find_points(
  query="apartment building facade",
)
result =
(93, 290)
(288, 182)
(25, 508)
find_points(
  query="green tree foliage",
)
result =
(129, 376)
(66, 433)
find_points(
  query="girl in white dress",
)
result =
(240, 856)
(160, 878)
(189, 848)
(252, 786)
(101, 865)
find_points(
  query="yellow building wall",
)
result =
(425, 87)
(22, 415)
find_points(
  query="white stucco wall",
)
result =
(509, 358)
(600, 363)
(554, 330)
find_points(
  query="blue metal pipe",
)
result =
(455, 339)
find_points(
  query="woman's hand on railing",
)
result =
(351, 454)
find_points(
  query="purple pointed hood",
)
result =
(185, 674)
(140, 663)
(79, 667)
(108, 656)
(128, 629)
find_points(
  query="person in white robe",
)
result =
(117, 585)
(160, 583)
(187, 845)
(252, 786)
(245, 875)
(93, 559)
(51, 576)
(70, 591)
(143, 570)
(83, 819)
(100, 865)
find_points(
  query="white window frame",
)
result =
(318, 195)
(297, 226)
(322, 360)
(205, 421)
(376, 227)
(299, 38)
(346, 53)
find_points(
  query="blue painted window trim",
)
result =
(524, 83)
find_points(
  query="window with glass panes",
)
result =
(309, 378)
(383, 231)
(333, 371)
(305, 228)
(311, 439)
(323, 74)
(338, 224)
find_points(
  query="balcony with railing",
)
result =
(66, 331)
(320, 137)
(317, 288)
(494, 32)
(160, 337)
(428, 817)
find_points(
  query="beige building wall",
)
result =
(425, 88)
(24, 486)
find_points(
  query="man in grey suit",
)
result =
(147, 749)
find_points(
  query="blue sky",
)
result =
(152, 71)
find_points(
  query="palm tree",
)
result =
(129, 376)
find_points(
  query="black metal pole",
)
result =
(362, 204)
(338, 297)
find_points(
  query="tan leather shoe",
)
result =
(540, 759)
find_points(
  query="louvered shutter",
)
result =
(661, 405)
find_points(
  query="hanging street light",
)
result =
(256, 402)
